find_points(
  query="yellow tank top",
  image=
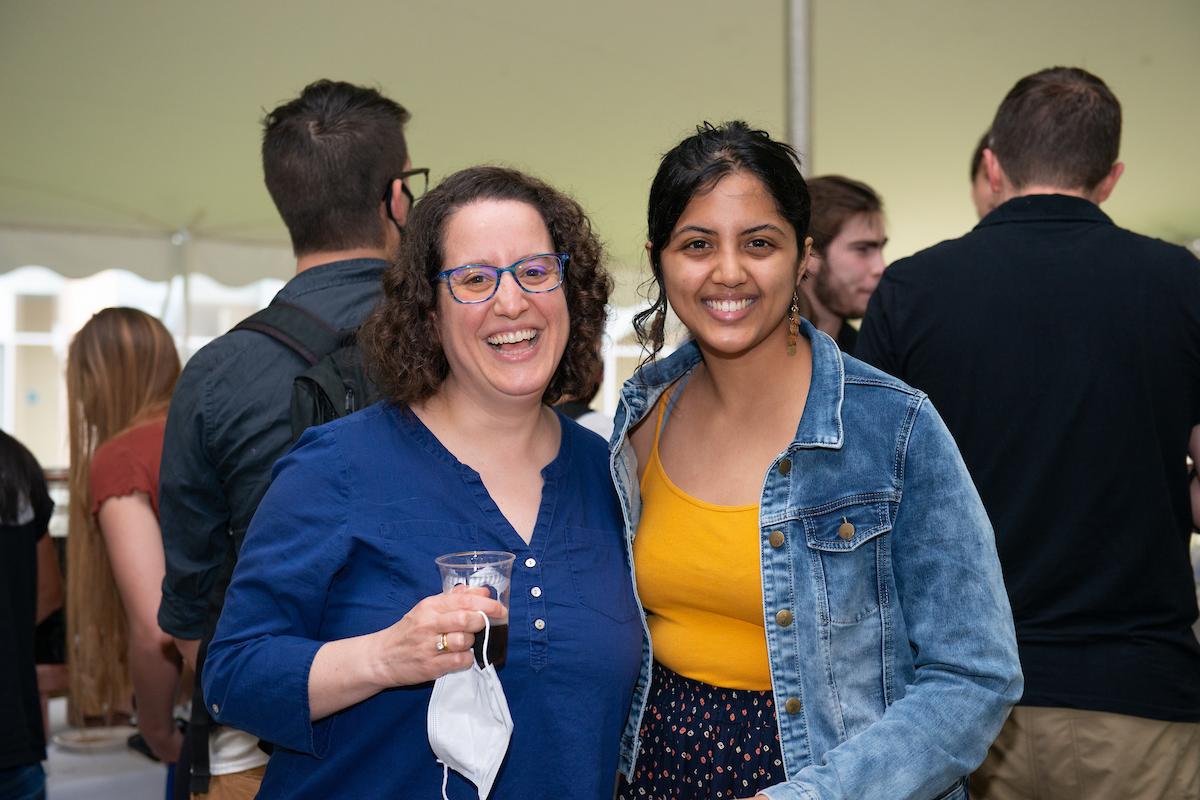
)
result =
(698, 575)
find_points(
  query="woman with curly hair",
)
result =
(335, 627)
(121, 370)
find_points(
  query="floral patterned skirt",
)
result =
(703, 741)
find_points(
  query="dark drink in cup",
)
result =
(486, 569)
(497, 645)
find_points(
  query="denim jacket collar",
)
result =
(821, 423)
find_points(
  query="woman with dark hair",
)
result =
(121, 371)
(25, 509)
(824, 609)
(335, 626)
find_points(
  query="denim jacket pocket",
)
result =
(845, 541)
(602, 577)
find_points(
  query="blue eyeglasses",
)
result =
(477, 283)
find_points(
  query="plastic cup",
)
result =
(491, 569)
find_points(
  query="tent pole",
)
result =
(799, 81)
(180, 241)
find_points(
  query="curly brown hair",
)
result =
(400, 339)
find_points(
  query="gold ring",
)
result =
(442, 644)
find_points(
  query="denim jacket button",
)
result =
(793, 705)
(776, 539)
(783, 618)
(785, 466)
(846, 530)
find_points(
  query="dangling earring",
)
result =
(793, 325)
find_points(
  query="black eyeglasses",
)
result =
(406, 185)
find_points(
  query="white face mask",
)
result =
(469, 724)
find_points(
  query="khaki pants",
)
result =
(1064, 754)
(234, 786)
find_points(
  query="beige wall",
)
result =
(902, 92)
(144, 113)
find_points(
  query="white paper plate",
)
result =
(94, 740)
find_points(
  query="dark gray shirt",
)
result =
(228, 423)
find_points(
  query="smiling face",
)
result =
(730, 267)
(506, 348)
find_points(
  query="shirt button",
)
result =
(216, 708)
(846, 530)
(783, 618)
(785, 466)
(776, 539)
(531, 562)
(540, 624)
(793, 705)
(536, 591)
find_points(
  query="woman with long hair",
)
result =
(824, 609)
(121, 369)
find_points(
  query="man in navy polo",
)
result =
(1063, 353)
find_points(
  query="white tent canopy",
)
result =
(132, 120)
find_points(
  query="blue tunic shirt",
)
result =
(344, 544)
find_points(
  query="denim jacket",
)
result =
(889, 634)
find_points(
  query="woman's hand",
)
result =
(347, 671)
(407, 652)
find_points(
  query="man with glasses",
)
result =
(327, 156)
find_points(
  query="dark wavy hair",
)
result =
(694, 166)
(400, 339)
